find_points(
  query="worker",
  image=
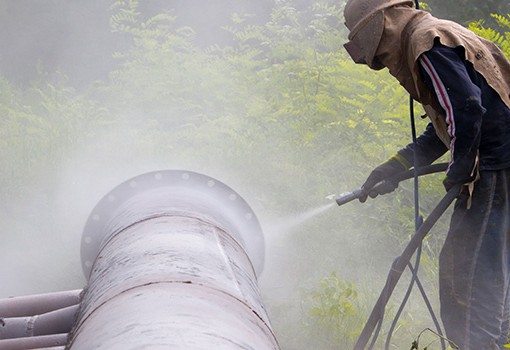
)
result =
(463, 83)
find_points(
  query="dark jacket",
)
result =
(478, 120)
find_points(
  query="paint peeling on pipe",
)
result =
(172, 259)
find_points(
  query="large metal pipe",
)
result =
(53, 322)
(39, 342)
(40, 321)
(172, 259)
(30, 305)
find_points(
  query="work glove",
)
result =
(456, 177)
(448, 183)
(465, 190)
(383, 172)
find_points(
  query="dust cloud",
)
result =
(41, 226)
(41, 222)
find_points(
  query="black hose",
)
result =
(418, 220)
(414, 272)
(400, 264)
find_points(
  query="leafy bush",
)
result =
(501, 38)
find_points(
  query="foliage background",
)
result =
(270, 105)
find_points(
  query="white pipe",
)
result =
(53, 322)
(169, 257)
(39, 342)
(37, 304)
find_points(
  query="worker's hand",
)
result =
(382, 173)
(449, 183)
(458, 174)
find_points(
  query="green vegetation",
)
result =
(501, 35)
(281, 113)
(467, 11)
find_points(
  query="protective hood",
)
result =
(365, 21)
(390, 50)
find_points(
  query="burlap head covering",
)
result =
(365, 21)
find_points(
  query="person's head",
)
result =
(365, 21)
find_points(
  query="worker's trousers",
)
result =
(475, 267)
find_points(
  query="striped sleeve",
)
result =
(443, 97)
(450, 77)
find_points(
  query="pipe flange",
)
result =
(233, 208)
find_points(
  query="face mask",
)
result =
(355, 52)
(364, 39)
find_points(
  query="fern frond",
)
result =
(501, 20)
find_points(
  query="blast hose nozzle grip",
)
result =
(404, 175)
(348, 197)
